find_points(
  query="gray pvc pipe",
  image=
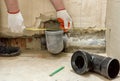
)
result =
(54, 40)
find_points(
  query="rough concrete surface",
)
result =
(85, 13)
(37, 65)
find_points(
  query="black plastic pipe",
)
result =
(83, 62)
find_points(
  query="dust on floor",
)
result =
(37, 65)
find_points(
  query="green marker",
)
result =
(56, 71)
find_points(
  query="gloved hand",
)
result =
(15, 22)
(65, 20)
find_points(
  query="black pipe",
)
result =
(83, 62)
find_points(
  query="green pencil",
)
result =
(56, 71)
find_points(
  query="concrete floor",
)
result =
(37, 65)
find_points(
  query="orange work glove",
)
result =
(65, 20)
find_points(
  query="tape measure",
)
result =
(40, 29)
(43, 29)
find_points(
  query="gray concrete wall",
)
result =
(85, 13)
(113, 28)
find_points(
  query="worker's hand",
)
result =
(65, 20)
(15, 22)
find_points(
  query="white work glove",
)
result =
(65, 20)
(15, 22)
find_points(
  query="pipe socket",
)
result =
(82, 62)
(54, 41)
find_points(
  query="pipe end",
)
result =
(80, 62)
(113, 68)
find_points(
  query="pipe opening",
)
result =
(79, 62)
(113, 68)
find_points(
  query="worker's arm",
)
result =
(58, 4)
(15, 19)
(62, 15)
(12, 5)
